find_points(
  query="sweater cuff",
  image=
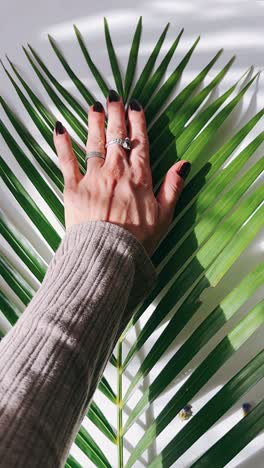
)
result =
(145, 274)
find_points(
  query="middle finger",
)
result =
(116, 127)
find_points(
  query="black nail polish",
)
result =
(135, 105)
(97, 107)
(59, 128)
(113, 96)
(184, 170)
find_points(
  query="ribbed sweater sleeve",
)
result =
(53, 358)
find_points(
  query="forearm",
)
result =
(50, 359)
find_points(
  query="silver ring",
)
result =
(124, 142)
(94, 154)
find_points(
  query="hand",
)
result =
(119, 188)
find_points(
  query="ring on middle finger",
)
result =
(124, 142)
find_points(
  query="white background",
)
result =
(238, 26)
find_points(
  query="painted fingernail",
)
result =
(113, 96)
(135, 105)
(184, 170)
(97, 107)
(59, 128)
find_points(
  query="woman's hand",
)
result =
(119, 188)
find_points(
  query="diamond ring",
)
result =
(124, 142)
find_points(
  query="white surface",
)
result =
(235, 25)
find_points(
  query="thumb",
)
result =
(67, 159)
(171, 189)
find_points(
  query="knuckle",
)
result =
(69, 190)
(141, 147)
(142, 140)
(140, 176)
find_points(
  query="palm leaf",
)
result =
(214, 221)
(113, 60)
(203, 181)
(45, 129)
(181, 114)
(29, 206)
(197, 266)
(170, 370)
(207, 224)
(43, 111)
(171, 110)
(67, 114)
(161, 125)
(165, 91)
(235, 439)
(98, 418)
(37, 180)
(152, 84)
(203, 373)
(182, 137)
(132, 60)
(72, 463)
(79, 85)
(149, 65)
(88, 445)
(224, 399)
(23, 248)
(97, 75)
(191, 225)
(8, 309)
(67, 96)
(196, 147)
(16, 281)
(39, 154)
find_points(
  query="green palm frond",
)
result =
(217, 217)
(67, 96)
(113, 60)
(79, 85)
(96, 74)
(235, 440)
(9, 309)
(132, 60)
(224, 399)
(146, 72)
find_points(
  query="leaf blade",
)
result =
(113, 60)
(132, 60)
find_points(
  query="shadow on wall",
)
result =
(234, 25)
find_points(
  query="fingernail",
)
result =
(59, 128)
(113, 96)
(135, 105)
(184, 170)
(97, 107)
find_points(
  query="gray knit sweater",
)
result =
(53, 358)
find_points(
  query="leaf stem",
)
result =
(119, 406)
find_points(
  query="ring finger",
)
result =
(116, 128)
